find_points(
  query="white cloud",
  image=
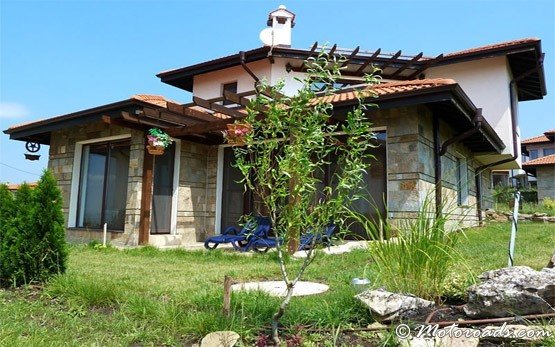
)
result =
(12, 110)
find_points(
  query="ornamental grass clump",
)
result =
(421, 256)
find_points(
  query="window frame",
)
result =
(76, 174)
(224, 85)
(535, 151)
(461, 176)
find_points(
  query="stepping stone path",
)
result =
(278, 288)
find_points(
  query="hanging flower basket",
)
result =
(157, 141)
(236, 132)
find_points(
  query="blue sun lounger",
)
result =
(259, 227)
(263, 244)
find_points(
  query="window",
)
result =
(500, 179)
(462, 181)
(103, 185)
(533, 154)
(548, 151)
(229, 87)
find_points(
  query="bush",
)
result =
(32, 243)
(420, 259)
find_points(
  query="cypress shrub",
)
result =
(49, 227)
(32, 244)
(6, 214)
(17, 259)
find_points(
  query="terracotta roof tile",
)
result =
(388, 88)
(539, 139)
(547, 160)
(157, 100)
(535, 139)
(493, 46)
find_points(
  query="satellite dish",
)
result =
(267, 36)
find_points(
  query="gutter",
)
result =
(440, 150)
(480, 169)
(247, 69)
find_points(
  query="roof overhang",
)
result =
(131, 113)
(452, 105)
(39, 131)
(525, 59)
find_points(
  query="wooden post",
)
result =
(146, 198)
(228, 281)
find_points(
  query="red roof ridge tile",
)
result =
(547, 160)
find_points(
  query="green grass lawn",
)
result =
(150, 297)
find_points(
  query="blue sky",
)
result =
(59, 57)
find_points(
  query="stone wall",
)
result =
(196, 207)
(197, 192)
(61, 163)
(545, 176)
(410, 165)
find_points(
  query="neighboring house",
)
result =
(443, 121)
(12, 187)
(539, 160)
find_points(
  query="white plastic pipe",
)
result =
(514, 228)
(105, 232)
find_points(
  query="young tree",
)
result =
(290, 145)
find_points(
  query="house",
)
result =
(12, 187)
(540, 162)
(443, 124)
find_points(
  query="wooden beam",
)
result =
(217, 108)
(351, 56)
(165, 116)
(368, 61)
(406, 65)
(200, 128)
(332, 50)
(146, 197)
(428, 64)
(122, 123)
(267, 92)
(150, 122)
(390, 61)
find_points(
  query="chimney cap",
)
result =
(282, 14)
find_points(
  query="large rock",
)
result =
(512, 291)
(551, 263)
(386, 306)
(220, 339)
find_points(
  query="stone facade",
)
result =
(545, 176)
(410, 165)
(61, 161)
(196, 192)
(410, 176)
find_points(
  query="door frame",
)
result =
(175, 190)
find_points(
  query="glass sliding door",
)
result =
(234, 203)
(103, 185)
(162, 192)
